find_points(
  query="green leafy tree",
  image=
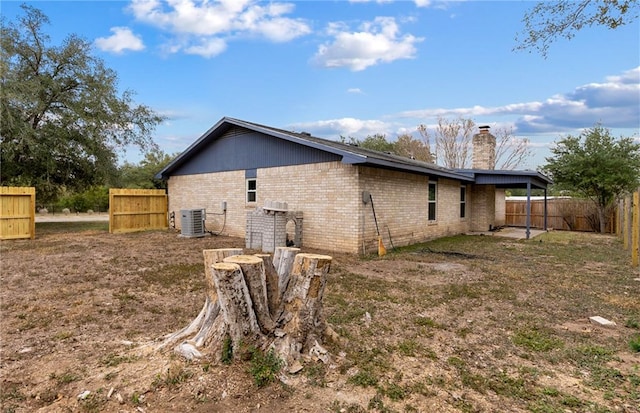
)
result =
(596, 165)
(405, 145)
(62, 119)
(377, 142)
(142, 175)
(410, 147)
(548, 20)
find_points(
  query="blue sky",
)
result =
(354, 68)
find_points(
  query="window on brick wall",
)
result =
(432, 201)
(251, 190)
(463, 201)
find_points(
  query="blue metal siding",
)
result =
(240, 149)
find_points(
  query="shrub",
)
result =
(264, 367)
(634, 343)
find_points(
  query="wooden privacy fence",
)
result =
(629, 225)
(17, 212)
(562, 214)
(133, 210)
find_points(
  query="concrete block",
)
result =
(601, 321)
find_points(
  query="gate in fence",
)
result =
(132, 210)
(17, 212)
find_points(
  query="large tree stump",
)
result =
(248, 303)
(203, 328)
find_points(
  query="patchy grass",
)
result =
(45, 228)
(460, 324)
(502, 331)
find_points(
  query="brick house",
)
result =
(326, 184)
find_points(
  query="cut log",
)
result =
(302, 320)
(283, 259)
(248, 304)
(254, 276)
(235, 303)
(271, 280)
(202, 329)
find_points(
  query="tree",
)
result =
(453, 139)
(405, 145)
(261, 302)
(597, 165)
(62, 120)
(511, 152)
(548, 20)
(142, 175)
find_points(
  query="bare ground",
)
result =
(421, 330)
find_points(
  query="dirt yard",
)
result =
(464, 324)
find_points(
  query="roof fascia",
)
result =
(347, 157)
(422, 170)
(187, 152)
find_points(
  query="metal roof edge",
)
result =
(516, 172)
(351, 157)
(177, 161)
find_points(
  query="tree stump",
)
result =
(253, 300)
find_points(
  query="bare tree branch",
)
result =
(549, 20)
(511, 152)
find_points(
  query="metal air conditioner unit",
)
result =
(192, 222)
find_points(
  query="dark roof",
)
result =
(351, 154)
(507, 178)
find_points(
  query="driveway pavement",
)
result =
(72, 217)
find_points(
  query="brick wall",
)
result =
(483, 207)
(484, 149)
(266, 230)
(330, 197)
(501, 208)
(208, 191)
(401, 205)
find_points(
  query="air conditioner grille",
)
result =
(192, 222)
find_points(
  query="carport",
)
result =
(502, 179)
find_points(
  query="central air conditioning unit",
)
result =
(192, 222)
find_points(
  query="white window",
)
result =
(251, 190)
(463, 201)
(432, 200)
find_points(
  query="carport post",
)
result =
(545, 209)
(528, 233)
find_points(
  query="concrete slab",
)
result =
(601, 321)
(511, 232)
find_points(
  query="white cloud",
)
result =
(422, 3)
(204, 27)
(377, 42)
(355, 90)
(208, 47)
(122, 39)
(347, 127)
(615, 103)
(371, 1)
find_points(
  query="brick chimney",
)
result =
(484, 149)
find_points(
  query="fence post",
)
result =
(635, 229)
(625, 223)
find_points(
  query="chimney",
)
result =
(484, 149)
